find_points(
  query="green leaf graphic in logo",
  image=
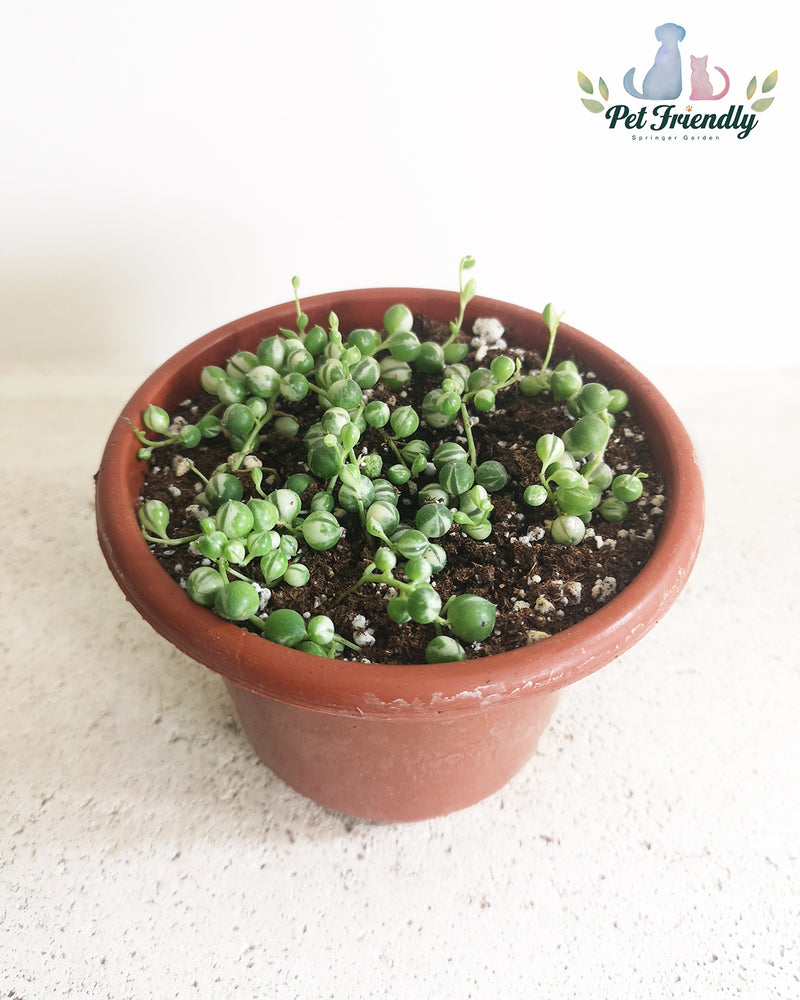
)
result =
(770, 82)
(588, 88)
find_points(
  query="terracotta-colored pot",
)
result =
(396, 742)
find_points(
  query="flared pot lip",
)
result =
(414, 690)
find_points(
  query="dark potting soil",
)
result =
(539, 587)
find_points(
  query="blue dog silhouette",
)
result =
(663, 81)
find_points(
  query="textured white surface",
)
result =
(649, 850)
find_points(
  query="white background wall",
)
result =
(168, 166)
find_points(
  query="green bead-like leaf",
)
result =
(350, 475)
(345, 393)
(627, 488)
(259, 543)
(366, 372)
(404, 421)
(211, 546)
(535, 495)
(395, 373)
(265, 514)
(273, 565)
(203, 584)
(285, 626)
(272, 352)
(354, 498)
(287, 503)
(365, 339)
(190, 435)
(470, 617)
(235, 519)
(397, 609)
(398, 319)
(377, 413)
(502, 367)
(403, 345)
(456, 477)
(430, 358)
(424, 604)
(613, 510)
(564, 383)
(211, 377)
(398, 474)
(156, 419)
(324, 500)
(411, 543)
(294, 387)
(567, 530)
(444, 649)
(434, 520)
(577, 500)
(618, 401)
(220, 487)
(385, 559)
(324, 460)
(436, 556)
(320, 629)
(587, 435)
(263, 380)
(321, 530)
(154, 517)
(236, 601)
(594, 397)
(449, 451)
(491, 475)
(549, 447)
(297, 575)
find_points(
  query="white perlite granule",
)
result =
(181, 465)
(487, 333)
(604, 589)
(264, 596)
(362, 633)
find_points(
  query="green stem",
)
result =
(473, 456)
(390, 441)
(252, 437)
(165, 540)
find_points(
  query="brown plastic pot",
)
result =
(396, 743)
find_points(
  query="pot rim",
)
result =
(417, 690)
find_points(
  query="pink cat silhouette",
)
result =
(702, 89)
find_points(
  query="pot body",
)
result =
(379, 741)
(394, 769)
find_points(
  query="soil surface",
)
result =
(539, 587)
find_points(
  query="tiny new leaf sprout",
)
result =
(403, 478)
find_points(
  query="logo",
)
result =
(669, 112)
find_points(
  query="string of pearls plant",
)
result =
(255, 543)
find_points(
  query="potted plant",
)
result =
(321, 383)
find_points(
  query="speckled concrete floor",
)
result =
(649, 850)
